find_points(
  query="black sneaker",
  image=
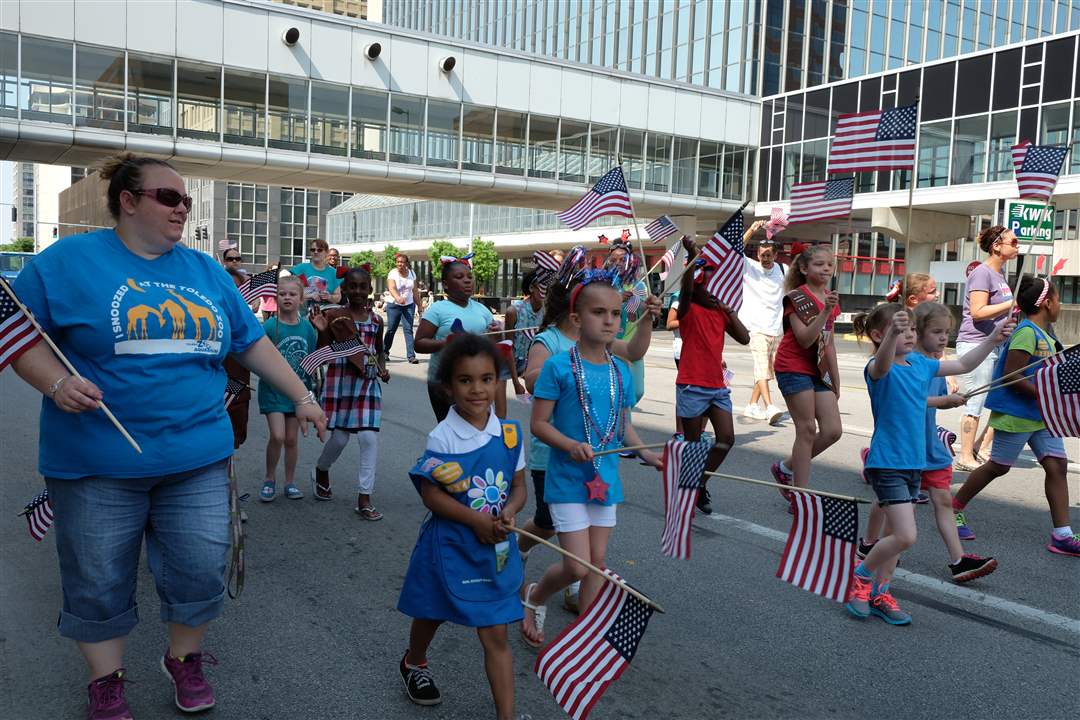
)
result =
(703, 504)
(971, 567)
(864, 549)
(419, 684)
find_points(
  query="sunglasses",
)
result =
(166, 196)
(1012, 243)
(233, 258)
(315, 250)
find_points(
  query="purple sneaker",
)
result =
(193, 692)
(1064, 546)
(782, 478)
(106, 698)
(962, 528)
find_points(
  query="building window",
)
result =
(969, 150)
(45, 87)
(934, 154)
(149, 99)
(99, 87)
(443, 128)
(543, 146)
(245, 108)
(478, 138)
(573, 139)
(369, 124)
(246, 220)
(658, 163)
(1002, 138)
(510, 142)
(329, 119)
(631, 152)
(406, 129)
(9, 74)
(709, 167)
(684, 166)
(287, 111)
(601, 150)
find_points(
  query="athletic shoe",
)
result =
(1064, 546)
(191, 690)
(268, 492)
(971, 567)
(884, 606)
(754, 412)
(863, 454)
(922, 498)
(293, 493)
(962, 529)
(703, 504)
(419, 684)
(773, 414)
(784, 479)
(571, 597)
(105, 698)
(858, 599)
(864, 549)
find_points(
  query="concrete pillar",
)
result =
(928, 228)
(687, 224)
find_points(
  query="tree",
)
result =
(364, 256)
(485, 261)
(443, 247)
(23, 244)
(386, 260)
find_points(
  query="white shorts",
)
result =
(571, 517)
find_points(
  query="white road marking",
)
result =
(1053, 620)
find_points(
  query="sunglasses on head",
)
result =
(166, 196)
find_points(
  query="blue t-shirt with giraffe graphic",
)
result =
(152, 334)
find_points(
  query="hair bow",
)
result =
(572, 264)
(798, 248)
(894, 292)
(447, 259)
(343, 270)
(777, 222)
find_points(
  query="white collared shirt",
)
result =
(457, 435)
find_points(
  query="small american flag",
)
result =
(545, 261)
(668, 259)
(17, 333)
(594, 650)
(233, 388)
(660, 228)
(333, 351)
(777, 223)
(820, 552)
(947, 438)
(1058, 389)
(1037, 169)
(608, 196)
(684, 463)
(821, 200)
(875, 140)
(639, 293)
(262, 285)
(39, 515)
(726, 252)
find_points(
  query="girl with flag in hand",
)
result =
(582, 406)
(898, 381)
(1017, 421)
(700, 389)
(465, 567)
(351, 395)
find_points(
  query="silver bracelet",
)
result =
(308, 399)
(55, 387)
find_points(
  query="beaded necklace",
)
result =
(612, 428)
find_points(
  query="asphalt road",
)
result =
(316, 633)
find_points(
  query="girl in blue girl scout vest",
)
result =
(465, 567)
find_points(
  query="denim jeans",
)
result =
(99, 526)
(400, 314)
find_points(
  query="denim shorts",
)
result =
(99, 526)
(977, 378)
(1007, 446)
(693, 401)
(794, 383)
(894, 487)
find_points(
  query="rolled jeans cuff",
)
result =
(193, 614)
(93, 631)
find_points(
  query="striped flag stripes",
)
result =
(874, 140)
(725, 252)
(608, 196)
(820, 552)
(39, 515)
(660, 228)
(815, 201)
(684, 465)
(1037, 168)
(1057, 388)
(17, 332)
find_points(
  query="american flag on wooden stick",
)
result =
(333, 351)
(262, 285)
(684, 465)
(660, 228)
(608, 196)
(815, 201)
(17, 332)
(1057, 387)
(875, 140)
(39, 515)
(594, 650)
(545, 261)
(233, 388)
(947, 438)
(725, 251)
(820, 552)
(1037, 169)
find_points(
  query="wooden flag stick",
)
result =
(511, 330)
(989, 388)
(637, 233)
(792, 488)
(592, 568)
(70, 367)
(629, 448)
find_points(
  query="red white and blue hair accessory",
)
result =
(1044, 293)
(607, 276)
(894, 292)
(573, 263)
(449, 259)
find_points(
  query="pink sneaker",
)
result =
(193, 692)
(105, 699)
(784, 479)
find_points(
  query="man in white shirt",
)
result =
(762, 313)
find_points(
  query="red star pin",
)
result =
(597, 489)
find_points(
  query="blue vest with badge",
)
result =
(452, 575)
(1007, 399)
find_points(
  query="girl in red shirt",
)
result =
(805, 363)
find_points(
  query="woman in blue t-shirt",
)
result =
(147, 323)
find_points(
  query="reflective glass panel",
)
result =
(9, 74)
(631, 152)
(733, 187)
(478, 138)
(329, 118)
(658, 163)
(287, 111)
(791, 169)
(709, 166)
(149, 97)
(1002, 138)
(45, 89)
(543, 146)
(572, 143)
(1054, 125)
(510, 142)
(369, 124)
(817, 114)
(934, 154)
(198, 93)
(245, 107)
(1073, 159)
(406, 129)
(444, 123)
(682, 180)
(969, 150)
(601, 150)
(99, 87)
(814, 156)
